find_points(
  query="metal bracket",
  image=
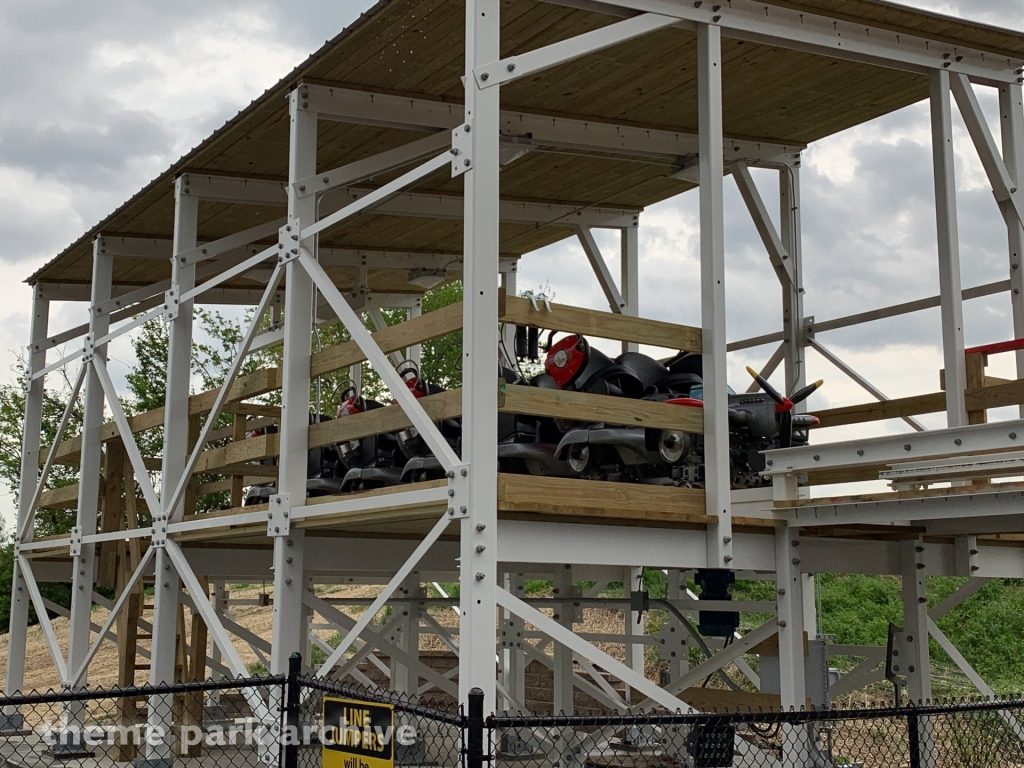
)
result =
(88, 349)
(171, 303)
(965, 550)
(458, 492)
(808, 328)
(76, 542)
(279, 515)
(536, 299)
(159, 531)
(288, 242)
(672, 639)
(462, 150)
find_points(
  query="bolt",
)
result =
(479, 576)
(484, 77)
(781, 592)
(922, 600)
(698, 4)
(716, 18)
(288, 560)
(305, 104)
(451, 511)
(796, 561)
(466, 128)
(895, 668)
(463, 510)
(782, 623)
(727, 558)
(716, 8)
(277, 529)
(974, 551)
(451, 491)
(816, 457)
(860, 451)
(302, 187)
(463, 472)
(975, 568)
(466, 162)
(906, 447)
(1012, 435)
(455, 151)
(449, 474)
(480, 526)
(270, 516)
(958, 441)
(769, 462)
(726, 539)
(920, 566)
(480, 547)
(166, 567)
(166, 584)
(919, 549)
(511, 67)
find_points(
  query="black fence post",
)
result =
(914, 738)
(292, 710)
(475, 730)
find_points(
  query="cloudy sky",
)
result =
(97, 98)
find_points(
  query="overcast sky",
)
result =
(97, 98)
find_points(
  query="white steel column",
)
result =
(792, 295)
(562, 694)
(89, 478)
(633, 628)
(167, 584)
(416, 349)
(712, 293)
(916, 663)
(513, 656)
(31, 439)
(949, 250)
(288, 631)
(1011, 122)
(478, 566)
(629, 283)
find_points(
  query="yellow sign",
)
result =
(358, 734)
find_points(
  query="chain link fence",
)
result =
(965, 735)
(294, 721)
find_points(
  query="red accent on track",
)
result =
(689, 401)
(997, 347)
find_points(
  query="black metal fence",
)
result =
(292, 721)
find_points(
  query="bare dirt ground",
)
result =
(41, 674)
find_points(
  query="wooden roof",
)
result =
(415, 48)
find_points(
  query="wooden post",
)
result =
(112, 513)
(976, 363)
(237, 481)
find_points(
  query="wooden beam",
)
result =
(604, 325)
(587, 498)
(579, 406)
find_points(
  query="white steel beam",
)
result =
(790, 617)
(495, 73)
(378, 603)
(288, 633)
(364, 340)
(1003, 186)
(712, 282)
(379, 195)
(949, 250)
(977, 292)
(769, 367)
(78, 674)
(44, 619)
(976, 438)
(361, 170)
(629, 271)
(560, 634)
(89, 477)
(367, 108)
(478, 571)
(915, 662)
(791, 235)
(864, 383)
(800, 30)
(229, 243)
(604, 276)
(1011, 129)
(777, 253)
(27, 495)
